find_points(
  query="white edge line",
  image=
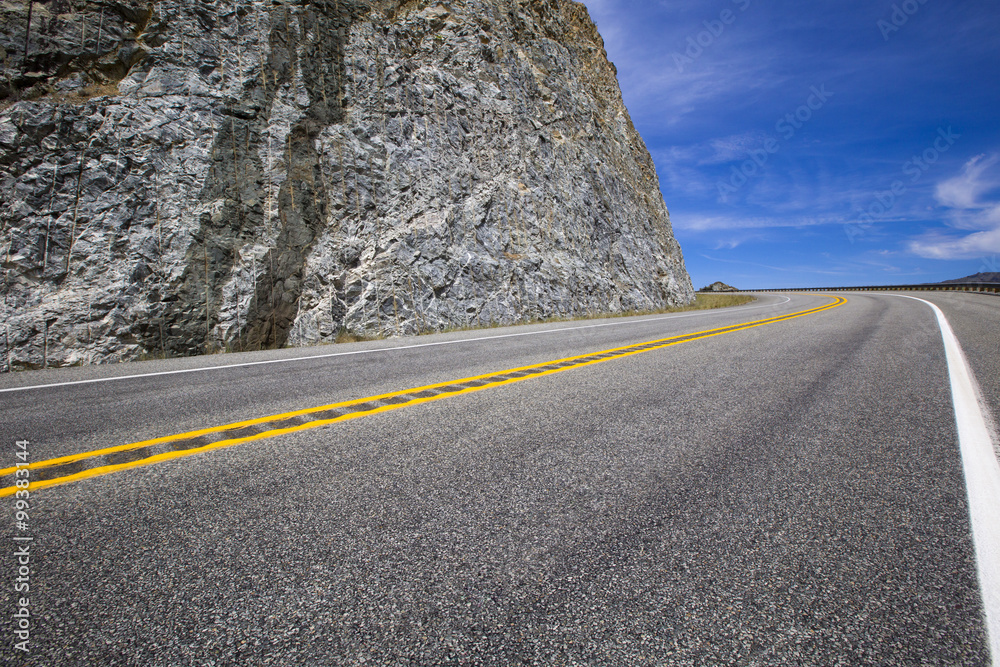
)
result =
(376, 350)
(982, 475)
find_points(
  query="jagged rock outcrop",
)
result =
(182, 177)
(719, 286)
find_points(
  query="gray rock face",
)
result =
(268, 174)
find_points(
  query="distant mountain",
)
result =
(981, 277)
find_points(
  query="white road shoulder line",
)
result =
(982, 475)
(200, 369)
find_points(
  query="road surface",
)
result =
(788, 491)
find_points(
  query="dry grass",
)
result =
(709, 301)
(701, 302)
(46, 93)
(345, 336)
(86, 93)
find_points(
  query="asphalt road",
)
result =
(975, 319)
(789, 494)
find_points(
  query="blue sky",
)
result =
(822, 143)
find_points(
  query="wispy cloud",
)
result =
(936, 245)
(721, 150)
(965, 190)
(971, 196)
(643, 38)
(703, 223)
(740, 261)
(709, 116)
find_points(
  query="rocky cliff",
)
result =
(186, 177)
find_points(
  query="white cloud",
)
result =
(967, 195)
(965, 190)
(970, 246)
(642, 40)
(733, 148)
(739, 261)
(707, 223)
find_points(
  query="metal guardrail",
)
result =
(983, 288)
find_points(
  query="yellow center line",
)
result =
(567, 363)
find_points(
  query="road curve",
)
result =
(784, 493)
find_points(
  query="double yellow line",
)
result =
(76, 467)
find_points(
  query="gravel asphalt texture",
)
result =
(975, 318)
(788, 494)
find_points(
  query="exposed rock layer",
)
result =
(274, 173)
